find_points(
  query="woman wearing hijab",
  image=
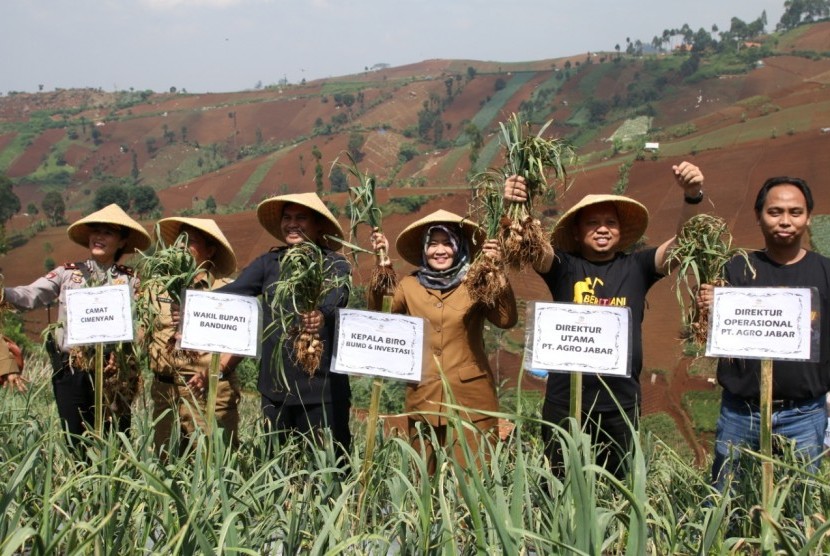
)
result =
(442, 246)
(108, 234)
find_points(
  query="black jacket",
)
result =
(291, 385)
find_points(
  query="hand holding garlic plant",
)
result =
(305, 280)
(542, 164)
(363, 209)
(486, 278)
(701, 252)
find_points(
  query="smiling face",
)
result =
(439, 253)
(597, 231)
(105, 241)
(298, 224)
(784, 218)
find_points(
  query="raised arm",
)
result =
(689, 178)
(515, 190)
(40, 293)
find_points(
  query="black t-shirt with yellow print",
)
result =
(622, 282)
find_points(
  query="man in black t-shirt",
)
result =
(587, 263)
(782, 207)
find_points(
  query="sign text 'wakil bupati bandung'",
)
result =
(221, 323)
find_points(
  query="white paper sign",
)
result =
(221, 323)
(378, 344)
(760, 323)
(100, 315)
(580, 338)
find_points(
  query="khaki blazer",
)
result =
(454, 347)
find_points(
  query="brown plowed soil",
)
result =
(733, 173)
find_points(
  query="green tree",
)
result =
(407, 152)
(690, 65)
(476, 141)
(448, 84)
(9, 201)
(798, 11)
(339, 180)
(738, 29)
(597, 109)
(144, 199)
(169, 135)
(9, 206)
(318, 177)
(702, 40)
(109, 194)
(430, 126)
(54, 208)
(356, 140)
(134, 172)
(210, 205)
(318, 169)
(96, 136)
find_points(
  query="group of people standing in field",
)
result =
(589, 260)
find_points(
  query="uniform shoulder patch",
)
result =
(124, 269)
(71, 266)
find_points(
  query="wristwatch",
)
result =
(693, 200)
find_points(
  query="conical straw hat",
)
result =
(138, 237)
(270, 210)
(633, 218)
(410, 242)
(224, 260)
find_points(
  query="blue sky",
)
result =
(230, 45)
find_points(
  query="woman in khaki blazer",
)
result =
(442, 245)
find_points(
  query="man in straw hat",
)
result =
(108, 234)
(292, 399)
(180, 376)
(588, 264)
